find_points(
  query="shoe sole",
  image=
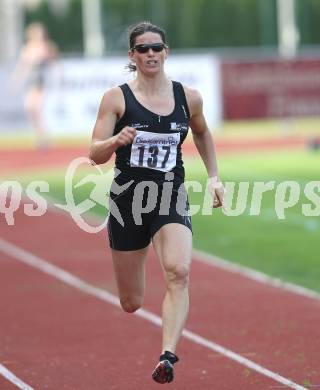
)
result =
(163, 373)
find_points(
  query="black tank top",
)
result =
(156, 148)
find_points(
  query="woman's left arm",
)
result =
(204, 144)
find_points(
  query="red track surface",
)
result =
(55, 337)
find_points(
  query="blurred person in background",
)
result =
(144, 122)
(35, 57)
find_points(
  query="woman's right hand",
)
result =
(126, 136)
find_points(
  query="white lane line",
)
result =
(64, 276)
(13, 379)
(249, 273)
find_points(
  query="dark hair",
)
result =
(139, 29)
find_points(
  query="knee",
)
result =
(130, 305)
(178, 275)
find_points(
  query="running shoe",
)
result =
(163, 373)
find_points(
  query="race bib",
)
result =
(154, 150)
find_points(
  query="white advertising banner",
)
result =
(201, 72)
(75, 90)
(12, 114)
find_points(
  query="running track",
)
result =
(54, 336)
(62, 332)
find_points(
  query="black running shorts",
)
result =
(139, 227)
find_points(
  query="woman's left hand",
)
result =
(217, 191)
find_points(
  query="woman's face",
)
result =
(150, 62)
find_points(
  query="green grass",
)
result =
(271, 127)
(285, 248)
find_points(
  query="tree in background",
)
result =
(189, 23)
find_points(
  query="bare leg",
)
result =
(129, 268)
(173, 245)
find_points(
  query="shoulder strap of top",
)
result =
(180, 94)
(126, 92)
(127, 101)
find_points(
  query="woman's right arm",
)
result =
(104, 143)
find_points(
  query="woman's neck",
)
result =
(148, 86)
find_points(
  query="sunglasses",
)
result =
(144, 48)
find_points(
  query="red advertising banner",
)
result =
(271, 89)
